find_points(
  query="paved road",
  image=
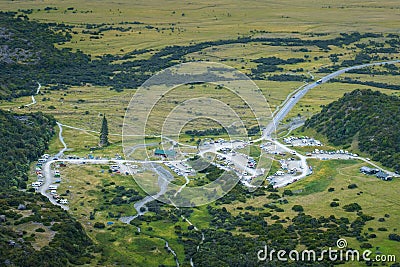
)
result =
(281, 114)
(48, 180)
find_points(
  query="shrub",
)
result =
(298, 208)
(274, 196)
(365, 245)
(334, 204)
(352, 186)
(394, 237)
(99, 225)
(288, 192)
(352, 207)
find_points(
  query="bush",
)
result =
(394, 237)
(99, 225)
(352, 207)
(40, 230)
(274, 196)
(334, 204)
(288, 192)
(352, 186)
(298, 208)
(365, 245)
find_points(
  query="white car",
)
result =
(63, 201)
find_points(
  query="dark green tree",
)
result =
(104, 133)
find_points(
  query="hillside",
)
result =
(33, 232)
(369, 117)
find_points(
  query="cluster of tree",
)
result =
(360, 58)
(390, 69)
(70, 244)
(278, 61)
(394, 237)
(270, 64)
(42, 61)
(369, 83)
(372, 116)
(24, 138)
(125, 196)
(212, 172)
(207, 132)
(222, 248)
(287, 77)
(115, 195)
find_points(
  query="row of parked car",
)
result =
(40, 179)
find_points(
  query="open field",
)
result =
(183, 23)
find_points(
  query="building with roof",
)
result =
(165, 153)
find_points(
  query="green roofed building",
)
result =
(165, 153)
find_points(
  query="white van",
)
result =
(36, 184)
(52, 187)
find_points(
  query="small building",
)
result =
(369, 171)
(165, 153)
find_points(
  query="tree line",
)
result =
(372, 116)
